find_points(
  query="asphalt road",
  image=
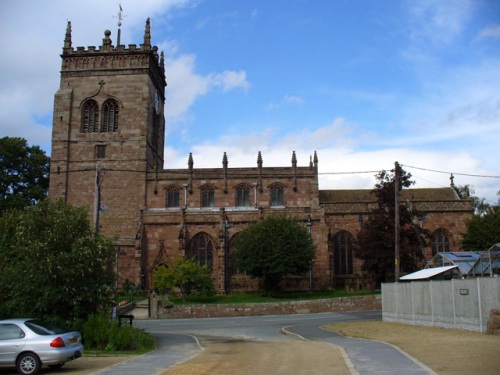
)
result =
(178, 341)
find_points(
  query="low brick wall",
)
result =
(274, 308)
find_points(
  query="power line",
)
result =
(453, 173)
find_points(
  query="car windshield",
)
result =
(43, 328)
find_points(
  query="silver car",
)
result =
(27, 344)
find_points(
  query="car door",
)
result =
(12, 340)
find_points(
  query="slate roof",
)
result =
(366, 195)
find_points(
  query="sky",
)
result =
(363, 83)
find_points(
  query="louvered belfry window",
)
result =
(109, 116)
(90, 117)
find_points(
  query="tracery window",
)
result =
(202, 249)
(207, 196)
(109, 116)
(440, 241)
(242, 195)
(172, 196)
(277, 195)
(342, 253)
(90, 117)
(233, 267)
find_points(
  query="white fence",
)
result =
(462, 304)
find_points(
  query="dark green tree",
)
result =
(273, 248)
(483, 231)
(24, 173)
(376, 239)
(188, 276)
(52, 264)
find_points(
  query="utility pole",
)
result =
(97, 198)
(397, 256)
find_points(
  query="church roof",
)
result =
(366, 195)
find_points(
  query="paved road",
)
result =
(177, 341)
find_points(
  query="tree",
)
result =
(185, 274)
(273, 248)
(376, 239)
(24, 177)
(479, 205)
(482, 231)
(52, 264)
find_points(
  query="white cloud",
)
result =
(230, 80)
(287, 100)
(489, 32)
(434, 24)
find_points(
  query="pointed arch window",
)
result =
(172, 196)
(277, 195)
(202, 249)
(440, 241)
(233, 267)
(110, 113)
(90, 117)
(243, 195)
(207, 196)
(343, 253)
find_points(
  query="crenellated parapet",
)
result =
(81, 61)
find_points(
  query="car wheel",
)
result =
(28, 364)
(56, 366)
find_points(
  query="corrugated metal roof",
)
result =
(426, 273)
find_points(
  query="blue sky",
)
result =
(363, 83)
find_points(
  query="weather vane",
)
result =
(120, 18)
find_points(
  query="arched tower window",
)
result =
(243, 195)
(201, 250)
(342, 253)
(90, 117)
(109, 116)
(207, 196)
(440, 241)
(277, 194)
(172, 196)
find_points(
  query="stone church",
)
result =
(107, 155)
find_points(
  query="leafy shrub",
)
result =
(99, 333)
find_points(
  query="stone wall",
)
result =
(358, 303)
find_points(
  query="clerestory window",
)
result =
(242, 196)
(207, 196)
(277, 195)
(172, 196)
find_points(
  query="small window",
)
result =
(277, 195)
(207, 196)
(242, 196)
(172, 196)
(100, 151)
(90, 117)
(109, 116)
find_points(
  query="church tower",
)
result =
(108, 131)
